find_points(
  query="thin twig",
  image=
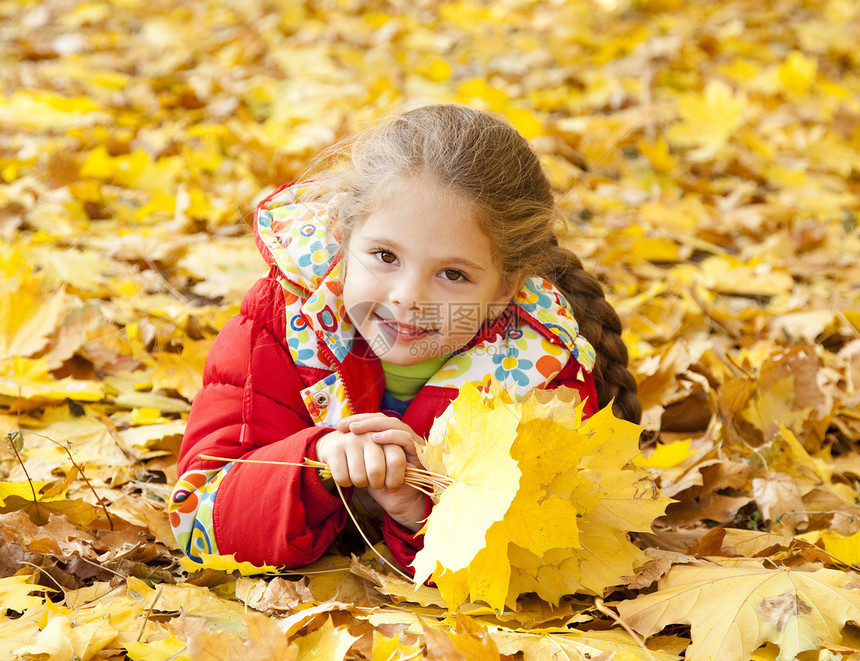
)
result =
(364, 537)
(107, 569)
(10, 438)
(598, 604)
(149, 612)
(81, 471)
(210, 457)
(56, 582)
(427, 482)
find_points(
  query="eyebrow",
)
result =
(452, 261)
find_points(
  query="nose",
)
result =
(406, 290)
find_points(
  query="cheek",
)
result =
(462, 318)
(359, 295)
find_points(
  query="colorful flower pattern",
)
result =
(300, 239)
(542, 301)
(326, 401)
(299, 334)
(523, 358)
(327, 317)
(190, 511)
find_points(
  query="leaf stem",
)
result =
(68, 452)
(364, 537)
(10, 439)
(149, 612)
(427, 482)
(599, 605)
(416, 477)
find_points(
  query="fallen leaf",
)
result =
(484, 474)
(274, 596)
(16, 594)
(327, 643)
(264, 641)
(746, 608)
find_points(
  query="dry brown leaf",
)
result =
(264, 641)
(276, 595)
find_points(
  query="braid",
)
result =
(600, 325)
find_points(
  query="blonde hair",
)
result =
(487, 163)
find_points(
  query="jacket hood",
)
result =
(298, 239)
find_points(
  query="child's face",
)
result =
(420, 275)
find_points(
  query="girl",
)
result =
(433, 262)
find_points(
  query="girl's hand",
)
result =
(356, 460)
(403, 503)
(384, 430)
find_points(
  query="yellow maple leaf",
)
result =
(226, 563)
(262, 640)
(194, 601)
(43, 110)
(563, 643)
(182, 372)
(17, 632)
(485, 476)
(709, 120)
(158, 650)
(497, 100)
(30, 314)
(604, 557)
(797, 73)
(67, 638)
(385, 649)
(666, 455)
(844, 547)
(25, 490)
(328, 643)
(577, 485)
(468, 640)
(30, 380)
(82, 269)
(16, 593)
(734, 610)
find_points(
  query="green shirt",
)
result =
(402, 383)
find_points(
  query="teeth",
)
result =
(404, 328)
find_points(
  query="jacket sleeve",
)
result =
(402, 542)
(250, 408)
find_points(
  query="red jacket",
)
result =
(283, 371)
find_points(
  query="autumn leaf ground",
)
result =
(707, 159)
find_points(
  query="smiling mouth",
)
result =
(403, 332)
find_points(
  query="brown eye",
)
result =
(387, 257)
(454, 275)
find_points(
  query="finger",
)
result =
(399, 438)
(356, 417)
(395, 466)
(375, 465)
(357, 470)
(342, 425)
(378, 422)
(339, 468)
